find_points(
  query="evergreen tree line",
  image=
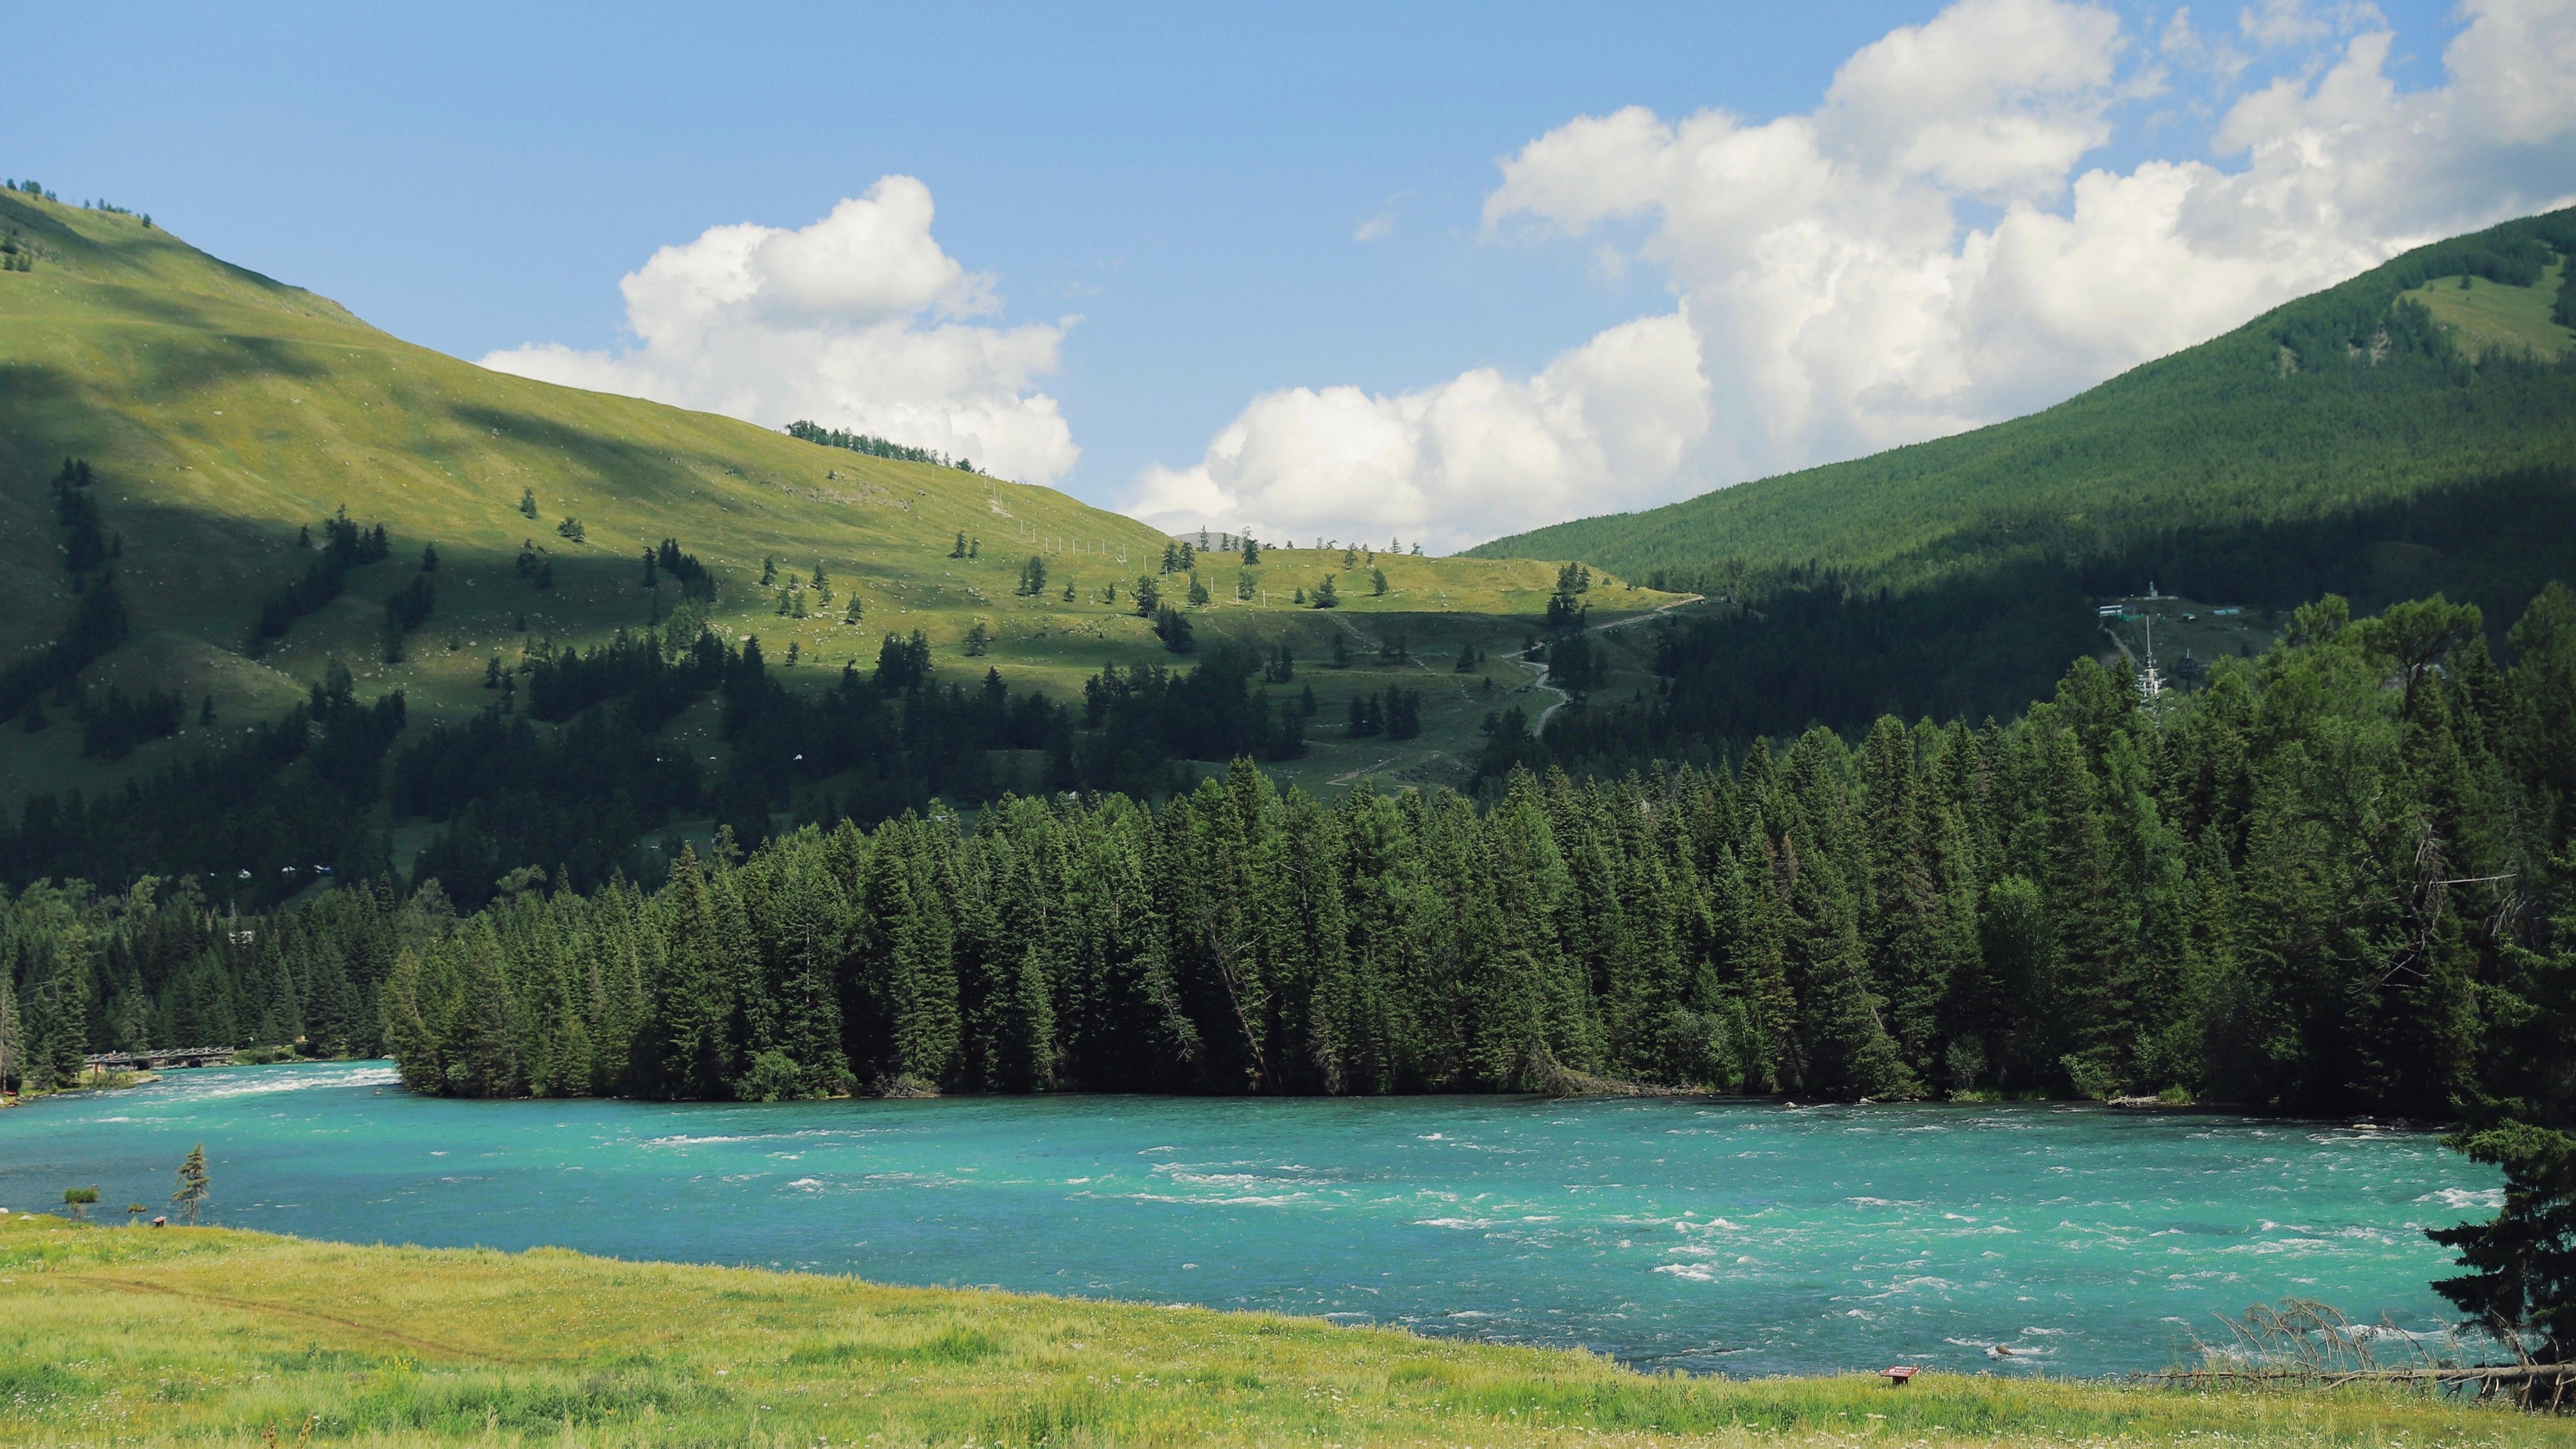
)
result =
(160, 965)
(695, 581)
(2096, 897)
(2340, 880)
(1148, 716)
(1397, 714)
(406, 609)
(345, 546)
(85, 546)
(875, 447)
(1811, 645)
(251, 825)
(98, 622)
(255, 821)
(113, 724)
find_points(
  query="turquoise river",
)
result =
(1737, 1238)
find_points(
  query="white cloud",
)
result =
(1834, 301)
(1460, 460)
(855, 321)
(1374, 228)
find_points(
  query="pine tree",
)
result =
(809, 911)
(1908, 969)
(483, 1048)
(12, 1044)
(195, 1186)
(417, 1048)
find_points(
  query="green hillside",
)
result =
(2410, 431)
(222, 419)
(223, 411)
(2350, 397)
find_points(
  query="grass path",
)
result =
(211, 1336)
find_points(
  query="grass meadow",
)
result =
(112, 1335)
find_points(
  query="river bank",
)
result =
(1736, 1238)
(157, 1336)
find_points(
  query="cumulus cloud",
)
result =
(1479, 452)
(1923, 252)
(856, 321)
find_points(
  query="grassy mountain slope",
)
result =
(218, 1336)
(2385, 387)
(2394, 436)
(223, 411)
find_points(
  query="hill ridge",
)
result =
(1902, 516)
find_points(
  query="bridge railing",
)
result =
(160, 1057)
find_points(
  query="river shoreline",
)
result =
(1716, 1235)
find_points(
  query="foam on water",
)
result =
(1734, 1238)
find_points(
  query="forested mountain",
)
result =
(2380, 439)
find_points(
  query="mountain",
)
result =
(219, 494)
(222, 412)
(2410, 430)
(2385, 387)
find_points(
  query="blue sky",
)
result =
(1193, 184)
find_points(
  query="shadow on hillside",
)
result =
(618, 459)
(209, 355)
(32, 384)
(32, 399)
(1812, 650)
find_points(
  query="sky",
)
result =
(1429, 273)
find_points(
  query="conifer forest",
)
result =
(2336, 880)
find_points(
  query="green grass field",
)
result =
(2485, 316)
(211, 1336)
(224, 410)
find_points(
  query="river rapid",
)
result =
(1736, 1238)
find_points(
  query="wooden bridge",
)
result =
(155, 1060)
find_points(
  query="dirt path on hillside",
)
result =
(1351, 627)
(1401, 758)
(1539, 726)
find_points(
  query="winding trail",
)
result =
(1539, 726)
(1406, 757)
(1351, 627)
